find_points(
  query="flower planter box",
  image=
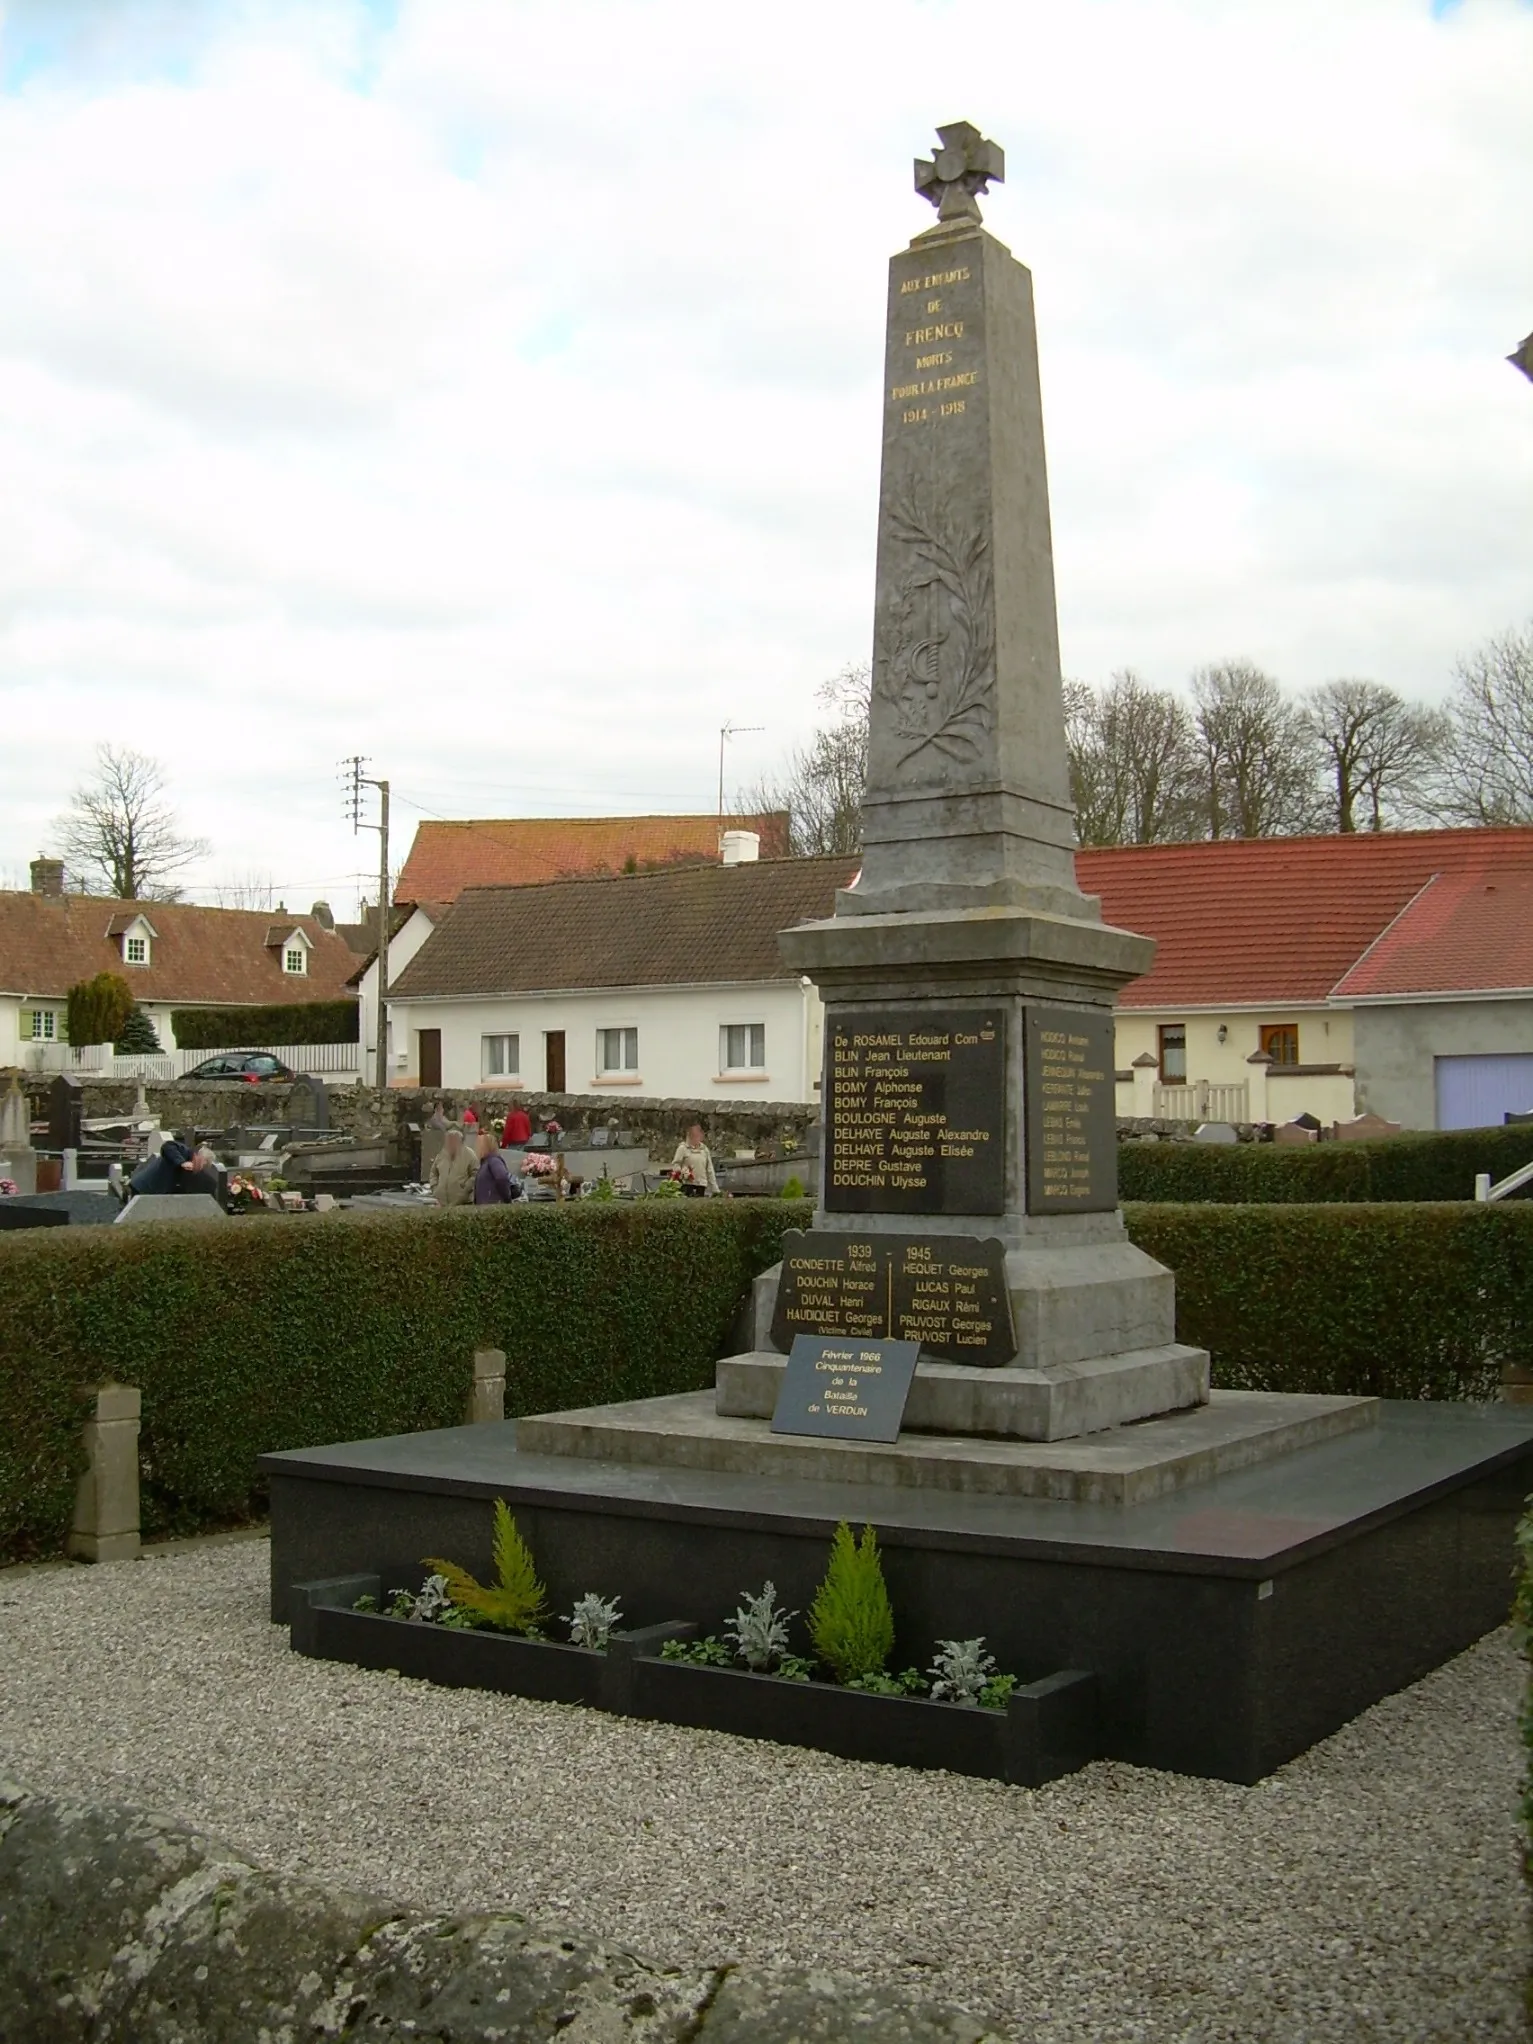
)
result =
(1047, 1729)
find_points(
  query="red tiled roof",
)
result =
(514, 851)
(1463, 933)
(202, 956)
(1284, 919)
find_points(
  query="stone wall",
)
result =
(354, 1111)
(125, 1929)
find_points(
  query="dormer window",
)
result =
(292, 945)
(134, 937)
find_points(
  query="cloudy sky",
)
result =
(493, 388)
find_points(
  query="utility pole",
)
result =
(726, 732)
(357, 781)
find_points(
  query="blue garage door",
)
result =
(1476, 1092)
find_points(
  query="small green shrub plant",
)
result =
(794, 1189)
(851, 1621)
(515, 1601)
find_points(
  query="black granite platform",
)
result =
(1231, 1625)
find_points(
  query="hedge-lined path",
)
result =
(1369, 1891)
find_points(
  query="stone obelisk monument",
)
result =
(968, 983)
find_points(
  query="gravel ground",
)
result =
(1369, 1891)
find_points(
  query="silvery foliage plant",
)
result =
(961, 1670)
(759, 1633)
(433, 1603)
(592, 1620)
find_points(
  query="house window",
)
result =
(43, 1025)
(295, 959)
(617, 1050)
(502, 1057)
(135, 950)
(742, 1047)
(1280, 1040)
(1173, 1054)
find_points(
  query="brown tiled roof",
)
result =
(216, 956)
(519, 851)
(691, 925)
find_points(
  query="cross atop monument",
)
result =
(963, 167)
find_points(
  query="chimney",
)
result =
(321, 913)
(740, 847)
(47, 876)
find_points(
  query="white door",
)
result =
(1479, 1092)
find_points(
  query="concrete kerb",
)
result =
(122, 1926)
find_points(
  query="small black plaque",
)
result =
(1072, 1130)
(946, 1292)
(845, 1390)
(915, 1112)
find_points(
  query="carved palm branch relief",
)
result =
(938, 673)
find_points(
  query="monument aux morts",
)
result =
(965, 1350)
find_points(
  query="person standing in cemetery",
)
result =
(493, 1184)
(518, 1129)
(693, 1165)
(452, 1174)
(179, 1165)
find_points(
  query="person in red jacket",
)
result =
(517, 1129)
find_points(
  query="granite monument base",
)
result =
(1231, 1623)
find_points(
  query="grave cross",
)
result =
(963, 167)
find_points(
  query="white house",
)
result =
(665, 985)
(412, 923)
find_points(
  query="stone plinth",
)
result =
(106, 1517)
(1006, 1404)
(1120, 1466)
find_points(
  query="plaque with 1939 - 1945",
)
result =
(915, 1111)
(948, 1293)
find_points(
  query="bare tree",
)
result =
(822, 785)
(1133, 762)
(1379, 751)
(119, 833)
(246, 890)
(1258, 763)
(1487, 768)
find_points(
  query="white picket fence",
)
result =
(335, 1061)
(1200, 1100)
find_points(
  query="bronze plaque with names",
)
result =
(947, 1292)
(915, 1111)
(1072, 1127)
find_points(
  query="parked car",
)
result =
(250, 1065)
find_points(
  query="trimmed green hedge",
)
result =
(1401, 1301)
(1429, 1166)
(264, 1333)
(1522, 1619)
(279, 1022)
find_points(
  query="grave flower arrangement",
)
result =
(245, 1196)
(8, 1188)
(539, 1164)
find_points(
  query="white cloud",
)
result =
(493, 389)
